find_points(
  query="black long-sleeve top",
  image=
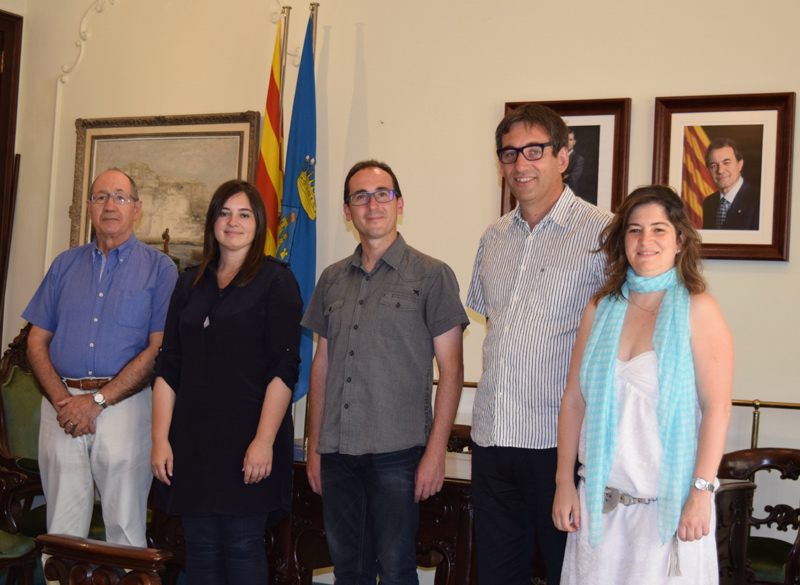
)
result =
(221, 348)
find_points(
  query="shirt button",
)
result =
(516, 298)
(502, 361)
(101, 294)
(361, 301)
(346, 406)
(351, 352)
(91, 345)
(349, 379)
(505, 328)
(522, 268)
(95, 319)
(367, 277)
(397, 305)
(90, 372)
(355, 326)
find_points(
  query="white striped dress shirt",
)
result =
(532, 285)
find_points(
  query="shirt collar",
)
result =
(559, 213)
(392, 256)
(731, 195)
(122, 251)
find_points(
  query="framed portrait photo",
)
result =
(599, 134)
(177, 163)
(730, 159)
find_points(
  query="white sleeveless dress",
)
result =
(630, 551)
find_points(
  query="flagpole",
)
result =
(314, 6)
(285, 10)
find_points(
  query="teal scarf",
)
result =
(676, 403)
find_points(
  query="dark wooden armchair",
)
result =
(81, 561)
(771, 560)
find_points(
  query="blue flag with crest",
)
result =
(297, 230)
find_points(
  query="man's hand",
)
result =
(313, 464)
(430, 476)
(76, 414)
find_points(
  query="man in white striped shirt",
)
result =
(535, 271)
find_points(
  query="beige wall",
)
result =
(421, 85)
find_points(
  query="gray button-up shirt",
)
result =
(380, 328)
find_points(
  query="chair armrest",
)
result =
(81, 560)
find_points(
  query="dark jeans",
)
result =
(370, 516)
(225, 549)
(513, 491)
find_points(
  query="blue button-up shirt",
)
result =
(101, 310)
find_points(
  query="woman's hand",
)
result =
(161, 461)
(257, 462)
(695, 516)
(566, 503)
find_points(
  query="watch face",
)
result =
(98, 398)
(702, 484)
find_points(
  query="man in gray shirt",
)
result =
(374, 448)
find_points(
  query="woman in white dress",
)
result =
(646, 408)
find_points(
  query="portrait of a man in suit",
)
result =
(735, 206)
(572, 175)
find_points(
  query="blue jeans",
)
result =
(225, 549)
(370, 516)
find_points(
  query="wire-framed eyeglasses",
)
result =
(362, 197)
(118, 197)
(531, 152)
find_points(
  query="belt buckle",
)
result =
(626, 500)
(610, 500)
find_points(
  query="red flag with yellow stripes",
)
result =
(697, 183)
(269, 174)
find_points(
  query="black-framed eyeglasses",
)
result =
(531, 152)
(118, 197)
(362, 197)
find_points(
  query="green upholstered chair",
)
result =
(771, 560)
(20, 483)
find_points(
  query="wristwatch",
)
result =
(100, 399)
(701, 484)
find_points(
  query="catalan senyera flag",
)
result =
(696, 182)
(297, 232)
(269, 173)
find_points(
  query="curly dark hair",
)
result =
(612, 240)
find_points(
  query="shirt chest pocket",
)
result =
(133, 309)
(333, 314)
(397, 314)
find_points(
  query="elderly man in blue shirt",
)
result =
(98, 318)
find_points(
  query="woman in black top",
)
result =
(222, 431)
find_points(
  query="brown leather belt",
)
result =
(86, 383)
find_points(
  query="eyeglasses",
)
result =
(117, 197)
(362, 197)
(531, 152)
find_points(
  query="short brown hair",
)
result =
(535, 115)
(612, 240)
(371, 164)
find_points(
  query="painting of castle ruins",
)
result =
(176, 178)
(176, 171)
